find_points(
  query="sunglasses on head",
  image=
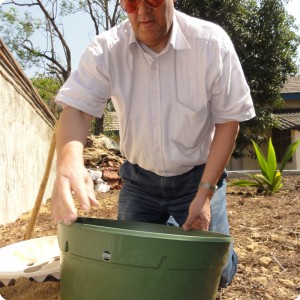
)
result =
(131, 6)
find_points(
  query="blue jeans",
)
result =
(148, 197)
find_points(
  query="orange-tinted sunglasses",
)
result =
(131, 6)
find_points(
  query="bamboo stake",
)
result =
(40, 195)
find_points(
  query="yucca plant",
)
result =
(270, 179)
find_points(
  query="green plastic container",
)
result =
(119, 260)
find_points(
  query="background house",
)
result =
(289, 117)
(287, 132)
(26, 132)
(111, 125)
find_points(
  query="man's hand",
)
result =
(71, 175)
(71, 178)
(199, 214)
(224, 138)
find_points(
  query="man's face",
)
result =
(152, 25)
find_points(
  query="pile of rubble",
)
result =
(102, 158)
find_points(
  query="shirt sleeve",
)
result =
(231, 98)
(88, 87)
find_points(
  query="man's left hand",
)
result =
(199, 214)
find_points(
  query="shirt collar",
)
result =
(177, 38)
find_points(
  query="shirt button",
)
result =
(154, 95)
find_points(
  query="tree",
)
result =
(52, 56)
(262, 32)
(265, 40)
(47, 88)
(104, 14)
(18, 32)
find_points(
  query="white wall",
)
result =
(25, 139)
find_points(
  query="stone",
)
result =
(265, 261)
(252, 246)
(255, 235)
(275, 269)
(277, 238)
(110, 175)
(261, 280)
(282, 291)
(270, 277)
(264, 270)
(286, 283)
(240, 253)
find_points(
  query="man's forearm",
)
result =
(71, 175)
(72, 130)
(220, 151)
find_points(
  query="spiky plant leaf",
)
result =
(263, 164)
(271, 160)
(288, 154)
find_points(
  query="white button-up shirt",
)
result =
(167, 103)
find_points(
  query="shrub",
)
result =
(270, 179)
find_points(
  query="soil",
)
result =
(266, 230)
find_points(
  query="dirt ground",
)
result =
(266, 230)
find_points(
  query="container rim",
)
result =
(149, 230)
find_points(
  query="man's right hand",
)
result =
(72, 178)
(71, 175)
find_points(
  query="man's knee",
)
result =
(229, 272)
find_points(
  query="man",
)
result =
(180, 93)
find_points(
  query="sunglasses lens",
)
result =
(130, 6)
(154, 3)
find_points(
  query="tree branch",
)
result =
(60, 36)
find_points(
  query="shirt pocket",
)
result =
(188, 126)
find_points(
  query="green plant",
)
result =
(270, 179)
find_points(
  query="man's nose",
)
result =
(143, 7)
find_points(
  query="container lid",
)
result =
(150, 230)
